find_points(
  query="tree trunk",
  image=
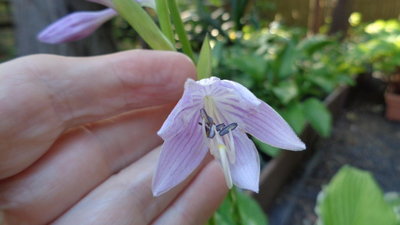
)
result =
(340, 17)
(316, 17)
(32, 16)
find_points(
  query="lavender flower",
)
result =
(145, 3)
(215, 115)
(75, 26)
(79, 25)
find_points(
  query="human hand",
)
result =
(78, 141)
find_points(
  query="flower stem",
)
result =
(212, 220)
(138, 18)
(164, 20)
(180, 29)
(236, 212)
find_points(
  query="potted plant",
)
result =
(380, 47)
(392, 97)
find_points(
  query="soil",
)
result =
(361, 137)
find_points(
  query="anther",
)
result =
(227, 128)
(206, 118)
(220, 126)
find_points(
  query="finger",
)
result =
(125, 198)
(77, 163)
(42, 96)
(202, 198)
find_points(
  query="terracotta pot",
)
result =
(392, 99)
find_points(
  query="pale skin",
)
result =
(78, 142)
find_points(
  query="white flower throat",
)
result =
(221, 143)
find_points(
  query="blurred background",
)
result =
(331, 68)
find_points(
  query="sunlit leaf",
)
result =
(354, 198)
(138, 18)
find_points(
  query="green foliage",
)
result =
(239, 209)
(204, 62)
(138, 18)
(267, 149)
(289, 71)
(353, 198)
(250, 211)
(295, 116)
(378, 44)
(318, 116)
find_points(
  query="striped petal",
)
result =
(183, 113)
(246, 169)
(268, 126)
(75, 26)
(179, 157)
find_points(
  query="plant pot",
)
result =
(392, 100)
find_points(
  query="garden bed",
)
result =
(278, 170)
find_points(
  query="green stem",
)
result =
(164, 20)
(212, 220)
(236, 212)
(138, 18)
(180, 29)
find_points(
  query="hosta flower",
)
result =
(79, 25)
(215, 116)
(75, 26)
(145, 3)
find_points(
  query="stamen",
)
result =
(204, 115)
(225, 165)
(211, 132)
(220, 126)
(232, 150)
(228, 128)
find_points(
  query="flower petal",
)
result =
(184, 111)
(145, 3)
(107, 3)
(246, 169)
(75, 26)
(268, 126)
(180, 156)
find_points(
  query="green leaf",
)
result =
(253, 65)
(267, 149)
(314, 43)
(287, 60)
(294, 115)
(250, 211)
(164, 19)
(286, 91)
(180, 29)
(393, 199)
(354, 198)
(318, 116)
(217, 3)
(138, 18)
(224, 213)
(204, 63)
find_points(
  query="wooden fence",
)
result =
(296, 12)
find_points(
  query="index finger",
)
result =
(43, 95)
